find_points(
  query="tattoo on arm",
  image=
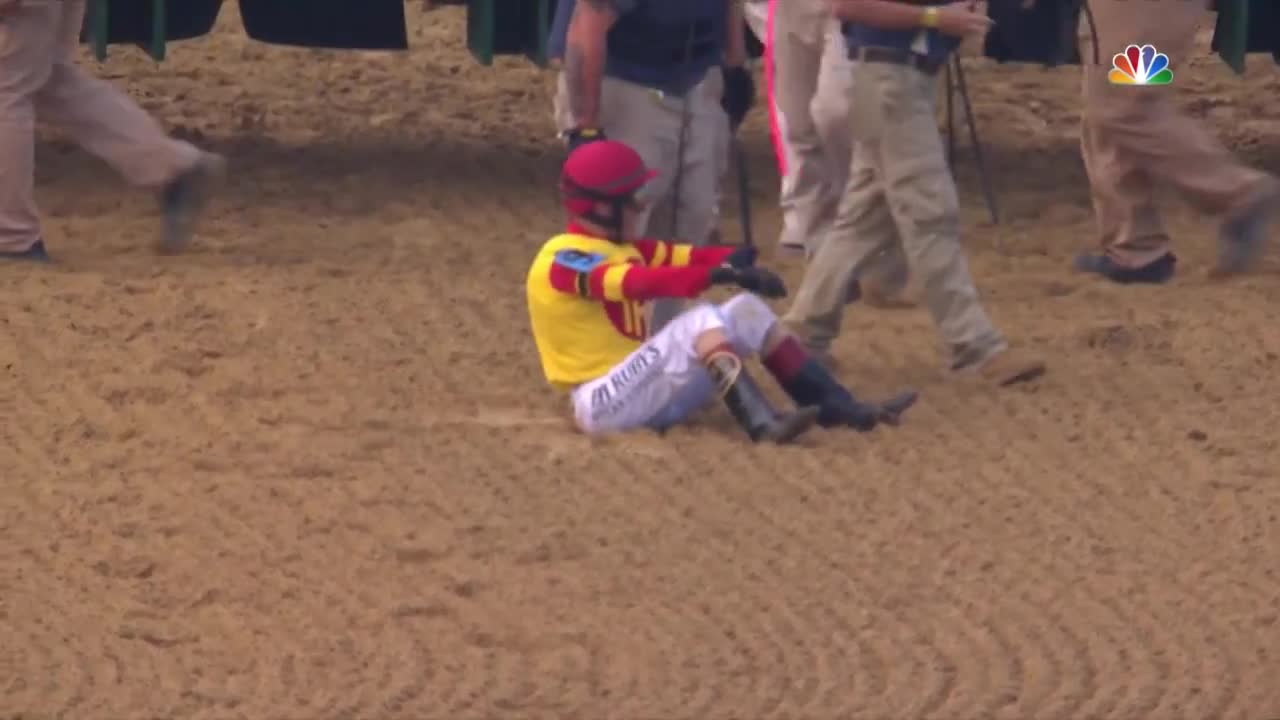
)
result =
(584, 57)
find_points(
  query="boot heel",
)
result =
(789, 426)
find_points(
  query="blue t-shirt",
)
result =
(667, 45)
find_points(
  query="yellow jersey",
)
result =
(588, 296)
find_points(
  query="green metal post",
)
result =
(101, 28)
(159, 29)
(480, 30)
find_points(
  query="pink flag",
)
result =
(775, 129)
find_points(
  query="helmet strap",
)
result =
(611, 223)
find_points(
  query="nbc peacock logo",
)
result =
(1140, 66)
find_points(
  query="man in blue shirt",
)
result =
(646, 72)
(900, 189)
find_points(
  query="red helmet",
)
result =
(605, 171)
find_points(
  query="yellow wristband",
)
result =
(930, 19)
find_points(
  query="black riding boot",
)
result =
(813, 385)
(752, 409)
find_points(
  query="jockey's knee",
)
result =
(748, 321)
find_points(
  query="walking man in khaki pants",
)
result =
(40, 80)
(900, 191)
(1134, 137)
(810, 97)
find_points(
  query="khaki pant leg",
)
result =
(1130, 229)
(28, 46)
(830, 111)
(797, 56)
(862, 232)
(901, 133)
(1139, 132)
(103, 119)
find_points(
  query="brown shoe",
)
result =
(1009, 367)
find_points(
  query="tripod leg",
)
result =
(978, 152)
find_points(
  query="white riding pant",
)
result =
(664, 382)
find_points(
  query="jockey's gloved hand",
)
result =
(753, 279)
(743, 257)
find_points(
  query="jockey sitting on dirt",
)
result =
(587, 289)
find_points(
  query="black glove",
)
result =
(743, 257)
(578, 137)
(739, 94)
(752, 279)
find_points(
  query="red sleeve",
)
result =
(645, 283)
(625, 281)
(713, 255)
(657, 253)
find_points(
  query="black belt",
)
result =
(923, 63)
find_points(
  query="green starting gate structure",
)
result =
(494, 27)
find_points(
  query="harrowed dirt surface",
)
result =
(310, 470)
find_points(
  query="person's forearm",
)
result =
(735, 46)
(880, 13)
(584, 60)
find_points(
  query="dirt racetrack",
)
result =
(310, 470)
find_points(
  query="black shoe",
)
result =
(1243, 234)
(814, 385)
(183, 199)
(753, 411)
(35, 253)
(855, 293)
(1156, 272)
